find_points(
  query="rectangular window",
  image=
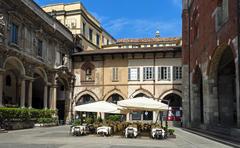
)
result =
(84, 29)
(14, 33)
(73, 25)
(177, 73)
(134, 74)
(148, 73)
(90, 34)
(222, 14)
(115, 74)
(164, 73)
(97, 39)
(103, 42)
(107, 42)
(39, 49)
(147, 115)
(136, 115)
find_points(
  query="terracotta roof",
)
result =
(129, 50)
(149, 40)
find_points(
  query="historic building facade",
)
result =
(35, 62)
(130, 68)
(80, 22)
(211, 66)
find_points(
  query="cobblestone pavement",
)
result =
(58, 137)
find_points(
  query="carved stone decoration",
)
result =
(2, 27)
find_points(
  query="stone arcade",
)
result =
(33, 45)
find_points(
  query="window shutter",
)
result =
(153, 74)
(116, 73)
(129, 73)
(159, 73)
(113, 74)
(169, 73)
(174, 73)
(144, 73)
(138, 74)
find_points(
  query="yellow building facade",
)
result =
(124, 71)
(80, 22)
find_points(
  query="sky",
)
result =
(134, 18)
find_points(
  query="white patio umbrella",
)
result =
(100, 106)
(143, 103)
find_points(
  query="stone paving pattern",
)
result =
(58, 137)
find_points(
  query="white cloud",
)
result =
(143, 27)
(139, 28)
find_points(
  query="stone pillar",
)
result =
(53, 97)
(45, 97)
(128, 117)
(30, 94)
(23, 90)
(1, 88)
(185, 100)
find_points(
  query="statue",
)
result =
(2, 25)
(65, 60)
(2, 28)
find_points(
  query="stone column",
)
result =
(23, 89)
(30, 94)
(1, 88)
(53, 97)
(45, 97)
(128, 117)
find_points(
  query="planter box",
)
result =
(15, 125)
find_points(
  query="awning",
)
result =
(100, 106)
(143, 103)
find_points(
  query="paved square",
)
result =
(58, 137)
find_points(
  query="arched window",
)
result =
(8, 80)
(85, 99)
(87, 72)
(114, 98)
(195, 25)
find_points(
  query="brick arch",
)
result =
(172, 91)
(197, 72)
(215, 59)
(86, 92)
(141, 90)
(114, 91)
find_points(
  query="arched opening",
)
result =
(85, 99)
(174, 102)
(61, 100)
(87, 72)
(143, 115)
(226, 84)
(38, 91)
(12, 82)
(141, 95)
(114, 98)
(11, 89)
(198, 96)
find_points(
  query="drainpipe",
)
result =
(238, 31)
(189, 62)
